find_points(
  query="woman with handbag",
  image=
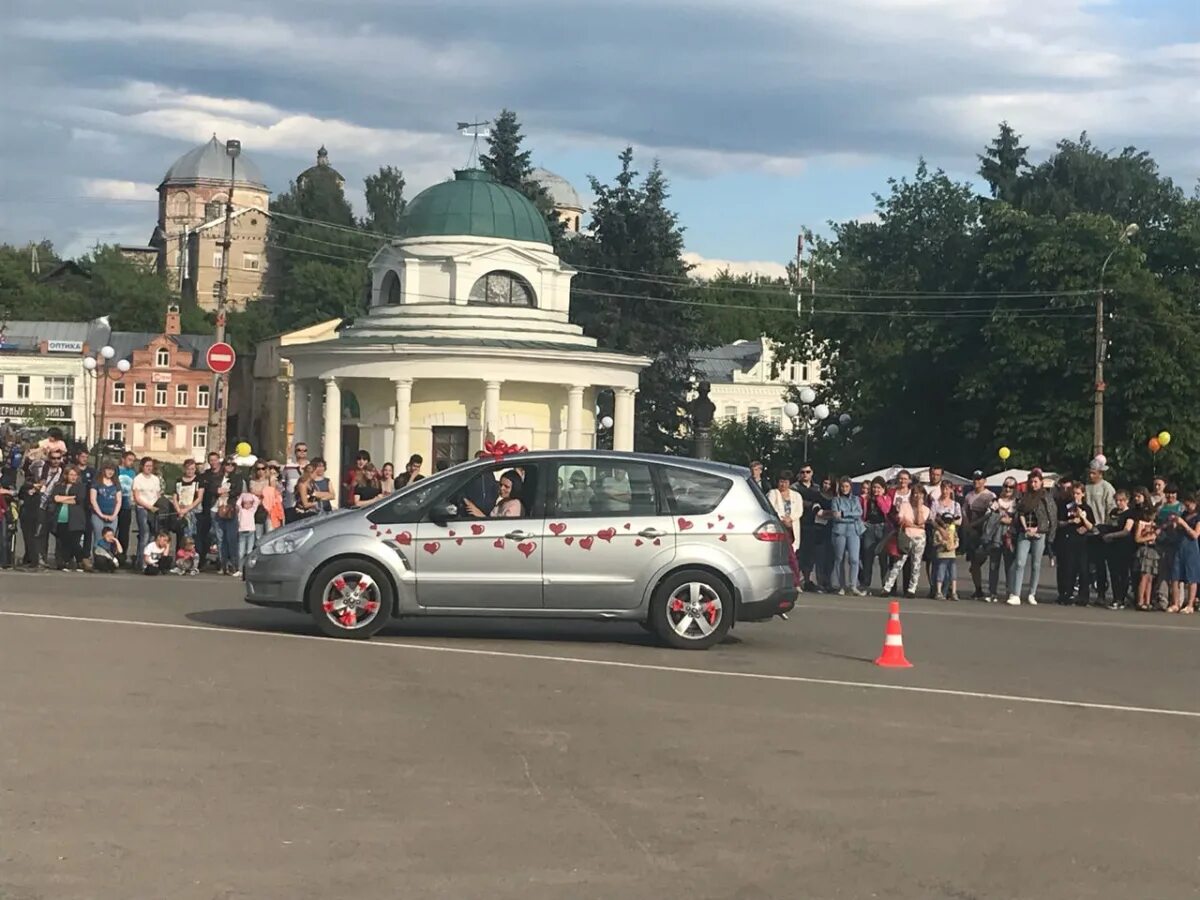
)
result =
(788, 505)
(846, 531)
(910, 517)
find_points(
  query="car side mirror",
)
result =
(441, 513)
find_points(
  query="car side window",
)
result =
(692, 493)
(410, 506)
(581, 488)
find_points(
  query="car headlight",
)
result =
(285, 543)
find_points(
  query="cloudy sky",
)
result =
(766, 114)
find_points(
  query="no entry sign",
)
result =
(220, 358)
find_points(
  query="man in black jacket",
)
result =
(209, 481)
(810, 531)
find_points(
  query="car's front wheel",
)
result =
(691, 610)
(350, 598)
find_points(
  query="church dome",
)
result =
(474, 205)
(208, 163)
(562, 194)
(321, 170)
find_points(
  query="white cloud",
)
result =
(116, 189)
(704, 267)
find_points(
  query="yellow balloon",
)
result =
(1005, 453)
(1164, 437)
(243, 449)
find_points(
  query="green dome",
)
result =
(474, 204)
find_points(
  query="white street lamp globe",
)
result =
(107, 352)
(123, 365)
(821, 411)
(606, 423)
(831, 431)
(807, 395)
(791, 410)
(89, 363)
(844, 418)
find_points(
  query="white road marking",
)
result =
(619, 664)
(1014, 617)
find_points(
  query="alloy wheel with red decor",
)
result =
(691, 610)
(350, 598)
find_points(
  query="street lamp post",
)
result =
(808, 414)
(1099, 387)
(218, 405)
(100, 367)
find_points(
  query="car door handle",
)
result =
(516, 535)
(652, 533)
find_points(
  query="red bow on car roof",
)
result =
(500, 449)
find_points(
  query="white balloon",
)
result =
(844, 418)
(89, 363)
(807, 395)
(831, 431)
(791, 410)
(821, 411)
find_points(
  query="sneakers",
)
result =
(979, 595)
(857, 592)
(1013, 600)
(953, 598)
(937, 595)
(841, 592)
(1031, 600)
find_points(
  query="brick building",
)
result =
(160, 406)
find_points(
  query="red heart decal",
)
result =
(389, 531)
(477, 529)
(460, 540)
(712, 525)
(568, 541)
(557, 528)
(729, 527)
(684, 524)
(586, 543)
(657, 542)
(432, 547)
(628, 525)
(724, 537)
(451, 533)
(374, 527)
(720, 518)
(498, 543)
(527, 548)
(638, 542)
(404, 537)
(607, 534)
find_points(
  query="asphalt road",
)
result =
(160, 739)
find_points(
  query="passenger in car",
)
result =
(508, 503)
(578, 496)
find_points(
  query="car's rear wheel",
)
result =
(350, 598)
(691, 610)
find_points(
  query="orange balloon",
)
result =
(1154, 444)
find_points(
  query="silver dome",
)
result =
(561, 193)
(208, 162)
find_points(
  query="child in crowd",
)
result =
(187, 559)
(247, 506)
(945, 545)
(156, 558)
(1145, 536)
(106, 554)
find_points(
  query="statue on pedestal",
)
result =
(702, 411)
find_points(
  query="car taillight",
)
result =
(772, 531)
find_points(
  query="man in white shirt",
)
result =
(292, 470)
(147, 489)
(975, 505)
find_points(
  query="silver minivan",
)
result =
(686, 547)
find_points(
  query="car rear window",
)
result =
(762, 498)
(694, 493)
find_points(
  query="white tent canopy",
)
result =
(919, 473)
(1021, 475)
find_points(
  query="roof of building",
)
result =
(208, 162)
(474, 205)
(719, 363)
(561, 191)
(126, 342)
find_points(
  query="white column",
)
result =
(331, 447)
(402, 430)
(623, 419)
(575, 417)
(315, 418)
(491, 410)
(299, 414)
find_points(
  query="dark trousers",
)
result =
(29, 536)
(289, 515)
(872, 545)
(70, 546)
(46, 527)
(807, 557)
(7, 541)
(1072, 568)
(124, 524)
(1118, 556)
(204, 535)
(1098, 565)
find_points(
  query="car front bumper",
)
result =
(274, 580)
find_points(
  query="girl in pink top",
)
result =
(910, 516)
(247, 506)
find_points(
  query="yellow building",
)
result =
(191, 223)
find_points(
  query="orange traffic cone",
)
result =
(892, 656)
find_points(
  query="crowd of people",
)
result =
(1114, 548)
(123, 513)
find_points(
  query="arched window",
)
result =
(390, 293)
(162, 358)
(180, 205)
(502, 289)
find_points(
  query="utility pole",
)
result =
(218, 408)
(1099, 386)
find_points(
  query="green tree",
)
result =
(1002, 163)
(512, 166)
(385, 200)
(736, 307)
(634, 231)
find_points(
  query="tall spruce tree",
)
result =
(1002, 163)
(633, 231)
(385, 200)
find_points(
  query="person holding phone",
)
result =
(1076, 526)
